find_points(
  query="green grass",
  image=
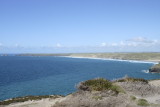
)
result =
(117, 89)
(133, 98)
(123, 56)
(143, 102)
(116, 55)
(99, 84)
(156, 66)
(26, 98)
(129, 79)
(97, 97)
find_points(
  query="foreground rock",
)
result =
(46, 102)
(96, 99)
(125, 92)
(155, 69)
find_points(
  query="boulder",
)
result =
(155, 69)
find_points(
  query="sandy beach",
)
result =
(144, 57)
(50, 102)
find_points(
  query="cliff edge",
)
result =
(99, 92)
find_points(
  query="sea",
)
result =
(50, 75)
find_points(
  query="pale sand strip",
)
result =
(48, 102)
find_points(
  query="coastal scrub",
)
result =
(143, 102)
(99, 84)
(129, 79)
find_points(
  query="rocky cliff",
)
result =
(125, 92)
(155, 69)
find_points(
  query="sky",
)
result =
(79, 26)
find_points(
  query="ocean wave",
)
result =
(145, 71)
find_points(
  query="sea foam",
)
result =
(131, 61)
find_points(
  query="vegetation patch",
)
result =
(143, 102)
(27, 98)
(156, 66)
(97, 97)
(99, 84)
(133, 98)
(129, 79)
(117, 89)
(123, 56)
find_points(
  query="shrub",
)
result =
(133, 98)
(97, 97)
(129, 79)
(117, 89)
(99, 84)
(143, 102)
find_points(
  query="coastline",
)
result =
(149, 57)
(51, 102)
(110, 59)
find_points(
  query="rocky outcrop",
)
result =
(155, 69)
(96, 99)
(135, 90)
(140, 89)
(125, 92)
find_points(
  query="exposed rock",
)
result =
(96, 99)
(140, 89)
(137, 88)
(107, 94)
(155, 69)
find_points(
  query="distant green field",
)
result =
(124, 56)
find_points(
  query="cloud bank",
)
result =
(137, 44)
(134, 42)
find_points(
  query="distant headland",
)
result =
(143, 56)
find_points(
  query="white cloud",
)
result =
(58, 45)
(103, 44)
(141, 40)
(17, 45)
(122, 43)
(137, 44)
(114, 44)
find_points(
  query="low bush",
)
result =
(97, 97)
(99, 84)
(129, 79)
(133, 98)
(142, 102)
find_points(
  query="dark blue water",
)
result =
(21, 75)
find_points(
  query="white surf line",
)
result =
(131, 61)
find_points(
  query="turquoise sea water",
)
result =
(26, 75)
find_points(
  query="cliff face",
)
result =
(125, 92)
(155, 69)
(128, 92)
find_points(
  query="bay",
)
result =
(48, 75)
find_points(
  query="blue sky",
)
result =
(62, 26)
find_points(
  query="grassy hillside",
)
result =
(123, 56)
